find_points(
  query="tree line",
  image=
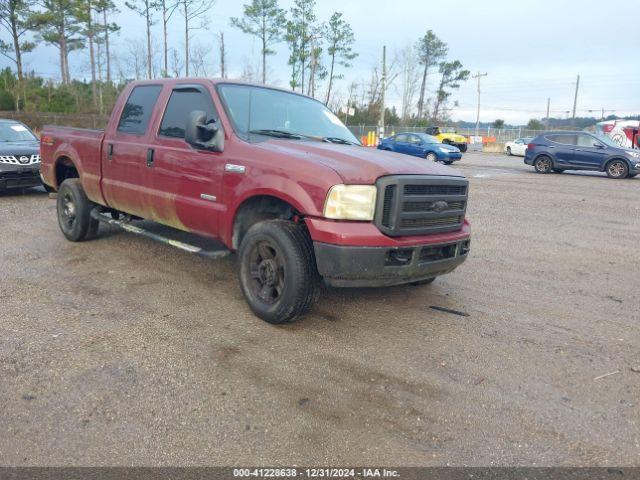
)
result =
(320, 53)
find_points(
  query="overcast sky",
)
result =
(530, 49)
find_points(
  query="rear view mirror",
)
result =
(598, 145)
(200, 133)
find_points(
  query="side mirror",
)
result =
(598, 145)
(202, 134)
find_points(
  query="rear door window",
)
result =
(564, 139)
(138, 109)
(182, 102)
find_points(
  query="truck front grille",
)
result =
(420, 204)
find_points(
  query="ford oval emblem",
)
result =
(23, 159)
(439, 206)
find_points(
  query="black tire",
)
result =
(447, 162)
(432, 157)
(617, 169)
(277, 270)
(543, 164)
(462, 147)
(423, 282)
(509, 151)
(74, 212)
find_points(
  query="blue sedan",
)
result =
(421, 145)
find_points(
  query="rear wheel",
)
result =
(543, 164)
(509, 151)
(277, 270)
(617, 169)
(74, 212)
(432, 157)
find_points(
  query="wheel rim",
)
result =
(544, 164)
(266, 268)
(431, 157)
(68, 211)
(616, 169)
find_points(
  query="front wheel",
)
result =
(617, 169)
(74, 212)
(448, 162)
(432, 157)
(277, 270)
(543, 164)
(463, 147)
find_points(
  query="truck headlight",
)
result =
(350, 202)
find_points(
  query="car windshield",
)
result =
(15, 132)
(427, 138)
(607, 141)
(281, 114)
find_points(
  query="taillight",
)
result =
(607, 128)
(530, 146)
(47, 140)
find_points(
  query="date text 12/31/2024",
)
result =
(315, 473)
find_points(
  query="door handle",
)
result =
(110, 151)
(150, 157)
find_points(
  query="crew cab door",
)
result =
(185, 186)
(124, 151)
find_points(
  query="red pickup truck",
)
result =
(274, 176)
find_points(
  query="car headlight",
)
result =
(350, 202)
(634, 154)
(444, 150)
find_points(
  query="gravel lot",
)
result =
(122, 351)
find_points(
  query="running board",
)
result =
(97, 214)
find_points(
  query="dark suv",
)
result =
(559, 151)
(19, 156)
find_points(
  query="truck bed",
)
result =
(83, 145)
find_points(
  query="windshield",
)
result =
(427, 138)
(258, 109)
(15, 132)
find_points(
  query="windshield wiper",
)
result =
(277, 133)
(342, 141)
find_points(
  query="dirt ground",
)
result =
(122, 351)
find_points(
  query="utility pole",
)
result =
(575, 101)
(382, 92)
(478, 76)
(546, 123)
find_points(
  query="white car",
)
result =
(518, 146)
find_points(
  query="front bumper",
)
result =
(19, 177)
(350, 266)
(449, 156)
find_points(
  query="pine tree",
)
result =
(340, 40)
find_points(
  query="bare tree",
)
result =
(408, 78)
(167, 9)
(223, 56)
(137, 58)
(198, 59)
(144, 8)
(192, 11)
(177, 64)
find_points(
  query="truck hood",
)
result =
(359, 165)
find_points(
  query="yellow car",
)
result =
(449, 136)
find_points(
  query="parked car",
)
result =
(272, 174)
(449, 136)
(559, 151)
(19, 156)
(421, 145)
(518, 146)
